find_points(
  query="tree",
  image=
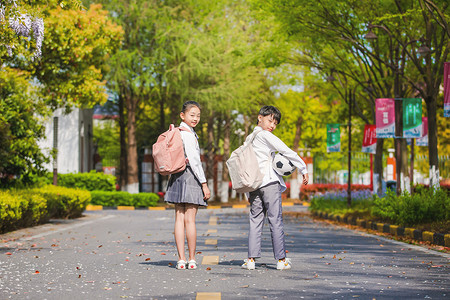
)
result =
(396, 54)
(20, 127)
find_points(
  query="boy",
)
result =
(266, 200)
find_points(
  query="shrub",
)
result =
(21, 209)
(91, 181)
(311, 190)
(64, 202)
(424, 206)
(124, 198)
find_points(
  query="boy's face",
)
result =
(267, 122)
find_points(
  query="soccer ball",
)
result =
(282, 165)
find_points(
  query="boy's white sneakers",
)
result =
(248, 264)
(284, 265)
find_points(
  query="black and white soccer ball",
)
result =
(282, 165)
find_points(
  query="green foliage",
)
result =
(107, 138)
(424, 206)
(64, 202)
(91, 181)
(20, 127)
(21, 209)
(113, 199)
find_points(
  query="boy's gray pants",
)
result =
(266, 201)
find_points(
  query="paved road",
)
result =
(131, 254)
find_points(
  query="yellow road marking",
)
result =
(210, 260)
(94, 207)
(213, 221)
(208, 296)
(213, 207)
(211, 242)
(288, 204)
(156, 208)
(239, 206)
(125, 207)
(212, 231)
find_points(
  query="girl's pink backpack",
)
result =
(168, 151)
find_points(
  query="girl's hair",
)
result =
(269, 110)
(188, 104)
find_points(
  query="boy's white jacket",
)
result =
(266, 145)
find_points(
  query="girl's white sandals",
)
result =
(181, 265)
(192, 265)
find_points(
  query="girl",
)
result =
(188, 189)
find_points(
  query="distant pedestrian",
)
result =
(267, 199)
(188, 189)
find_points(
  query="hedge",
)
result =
(25, 208)
(424, 206)
(91, 181)
(64, 202)
(124, 199)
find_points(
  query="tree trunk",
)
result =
(226, 154)
(378, 167)
(432, 142)
(123, 166)
(295, 185)
(132, 157)
(210, 156)
(406, 184)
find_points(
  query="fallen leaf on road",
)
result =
(147, 259)
(162, 253)
(199, 252)
(79, 276)
(8, 253)
(381, 245)
(208, 269)
(245, 286)
(170, 264)
(437, 266)
(37, 272)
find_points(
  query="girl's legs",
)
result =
(191, 230)
(180, 214)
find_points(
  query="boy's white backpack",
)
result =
(244, 169)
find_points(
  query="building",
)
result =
(71, 135)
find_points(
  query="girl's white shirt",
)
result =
(192, 151)
(265, 145)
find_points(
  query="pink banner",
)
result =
(385, 117)
(447, 89)
(370, 139)
(423, 141)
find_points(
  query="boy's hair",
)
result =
(270, 110)
(188, 104)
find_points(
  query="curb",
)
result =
(90, 207)
(426, 236)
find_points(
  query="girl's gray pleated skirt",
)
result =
(184, 187)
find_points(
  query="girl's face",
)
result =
(191, 116)
(267, 122)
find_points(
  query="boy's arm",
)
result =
(279, 146)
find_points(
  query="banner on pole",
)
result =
(333, 138)
(412, 117)
(385, 117)
(423, 141)
(370, 139)
(446, 89)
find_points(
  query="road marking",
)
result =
(211, 242)
(208, 296)
(94, 207)
(239, 206)
(125, 207)
(213, 221)
(212, 231)
(213, 207)
(288, 204)
(156, 208)
(210, 260)
(65, 228)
